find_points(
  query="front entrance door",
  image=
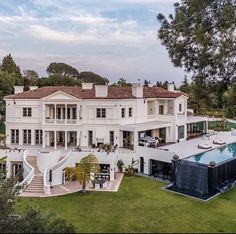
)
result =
(141, 164)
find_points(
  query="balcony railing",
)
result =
(60, 121)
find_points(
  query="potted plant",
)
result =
(212, 163)
(175, 157)
(120, 165)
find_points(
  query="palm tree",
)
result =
(88, 166)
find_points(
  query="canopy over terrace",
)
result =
(132, 133)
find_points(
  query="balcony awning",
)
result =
(138, 127)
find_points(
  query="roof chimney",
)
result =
(137, 90)
(87, 85)
(33, 87)
(171, 87)
(101, 90)
(18, 89)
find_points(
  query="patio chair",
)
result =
(204, 145)
(219, 142)
(105, 184)
(97, 186)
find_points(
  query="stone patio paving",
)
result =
(75, 186)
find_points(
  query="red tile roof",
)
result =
(114, 92)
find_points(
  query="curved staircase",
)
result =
(36, 185)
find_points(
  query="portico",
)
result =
(60, 138)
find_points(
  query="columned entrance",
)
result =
(58, 139)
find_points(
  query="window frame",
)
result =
(27, 112)
(130, 111)
(161, 109)
(101, 113)
(122, 112)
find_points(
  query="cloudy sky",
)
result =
(114, 38)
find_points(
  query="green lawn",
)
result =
(140, 206)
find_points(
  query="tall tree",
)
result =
(9, 66)
(90, 77)
(123, 83)
(200, 37)
(88, 166)
(62, 69)
(231, 107)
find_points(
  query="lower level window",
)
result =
(27, 136)
(38, 137)
(15, 136)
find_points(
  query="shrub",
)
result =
(212, 163)
(120, 165)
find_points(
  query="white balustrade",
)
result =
(28, 170)
(55, 168)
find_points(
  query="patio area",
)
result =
(75, 186)
(187, 148)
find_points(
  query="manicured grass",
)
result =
(140, 205)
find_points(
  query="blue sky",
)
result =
(114, 38)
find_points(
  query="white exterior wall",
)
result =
(143, 110)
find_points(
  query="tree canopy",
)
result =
(88, 166)
(62, 69)
(91, 77)
(200, 37)
(30, 220)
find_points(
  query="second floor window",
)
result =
(27, 112)
(180, 107)
(161, 109)
(130, 112)
(101, 113)
(122, 112)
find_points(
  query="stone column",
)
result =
(65, 113)
(66, 136)
(43, 114)
(77, 138)
(55, 139)
(55, 113)
(135, 140)
(44, 135)
(32, 136)
(77, 113)
(20, 136)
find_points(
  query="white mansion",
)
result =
(75, 116)
(63, 118)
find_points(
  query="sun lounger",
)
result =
(219, 142)
(204, 146)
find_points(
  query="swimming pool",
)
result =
(218, 155)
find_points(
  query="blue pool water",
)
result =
(218, 155)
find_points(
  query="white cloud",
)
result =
(91, 35)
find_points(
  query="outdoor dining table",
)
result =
(100, 182)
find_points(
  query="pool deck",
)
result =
(188, 148)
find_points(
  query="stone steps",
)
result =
(37, 184)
